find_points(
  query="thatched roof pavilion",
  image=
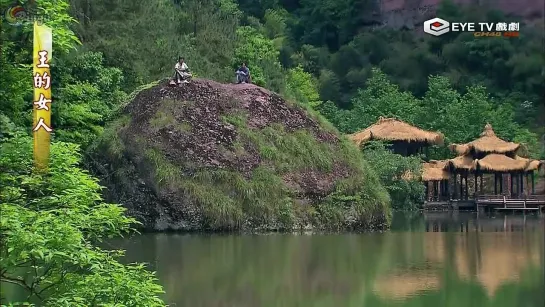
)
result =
(501, 164)
(463, 163)
(490, 154)
(391, 129)
(435, 171)
(487, 143)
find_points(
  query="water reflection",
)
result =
(459, 261)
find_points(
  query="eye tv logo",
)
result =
(438, 26)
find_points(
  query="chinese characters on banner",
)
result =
(41, 80)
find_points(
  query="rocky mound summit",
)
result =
(212, 156)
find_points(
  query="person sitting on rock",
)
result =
(181, 73)
(243, 74)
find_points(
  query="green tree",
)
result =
(88, 92)
(49, 230)
(303, 87)
(398, 174)
(380, 98)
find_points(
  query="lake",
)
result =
(427, 259)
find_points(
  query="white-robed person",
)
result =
(181, 73)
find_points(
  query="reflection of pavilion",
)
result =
(499, 259)
(405, 285)
(466, 222)
(490, 258)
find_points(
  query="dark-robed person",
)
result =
(243, 74)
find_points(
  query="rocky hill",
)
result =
(212, 156)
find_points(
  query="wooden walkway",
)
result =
(490, 202)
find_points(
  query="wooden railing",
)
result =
(534, 201)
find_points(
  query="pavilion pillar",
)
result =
(463, 189)
(533, 183)
(448, 194)
(501, 182)
(427, 187)
(461, 196)
(511, 183)
(517, 182)
(455, 186)
(495, 184)
(435, 190)
(466, 187)
(481, 184)
(476, 183)
(521, 192)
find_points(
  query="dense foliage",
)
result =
(50, 226)
(396, 173)
(52, 223)
(331, 55)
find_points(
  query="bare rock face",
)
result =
(212, 156)
(411, 13)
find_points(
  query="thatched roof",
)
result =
(488, 142)
(391, 129)
(464, 162)
(534, 165)
(435, 171)
(501, 163)
(460, 149)
(531, 165)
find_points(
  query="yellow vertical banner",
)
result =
(41, 80)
